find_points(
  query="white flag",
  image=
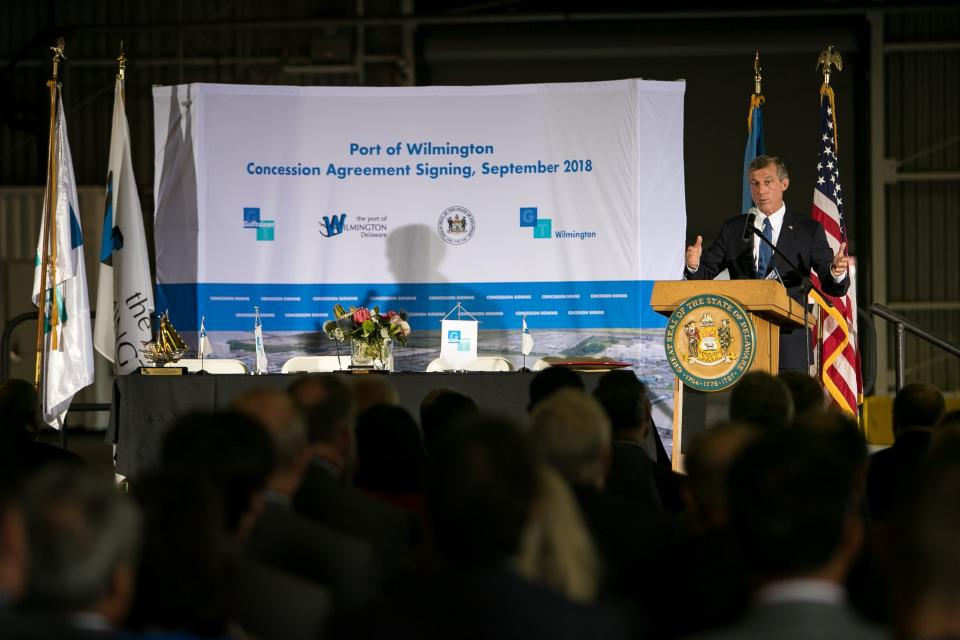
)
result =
(526, 340)
(258, 336)
(125, 292)
(67, 341)
(204, 348)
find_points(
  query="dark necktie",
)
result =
(766, 252)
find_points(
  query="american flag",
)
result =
(840, 361)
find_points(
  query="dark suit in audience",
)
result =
(893, 471)
(794, 508)
(284, 539)
(273, 604)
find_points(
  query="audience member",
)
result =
(571, 432)
(929, 556)
(237, 455)
(481, 491)
(287, 540)
(556, 549)
(762, 400)
(443, 409)
(371, 390)
(700, 584)
(893, 472)
(390, 456)
(18, 424)
(13, 537)
(793, 510)
(805, 391)
(549, 380)
(634, 473)
(326, 495)
(84, 543)
(189, 565)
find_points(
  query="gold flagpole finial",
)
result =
(57, 49)
(121, 62)
(756, 73)
(828, 58)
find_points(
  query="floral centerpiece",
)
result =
(370, 333)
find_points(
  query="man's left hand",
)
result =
(840, 261)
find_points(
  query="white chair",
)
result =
(313, 364)
(482, 363)
(540, 365)
(211, 365)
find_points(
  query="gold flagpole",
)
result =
(122, 73)
(49, 217)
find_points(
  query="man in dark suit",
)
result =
(893, 472)
(800, 238)
(326, 495)
(794, 497)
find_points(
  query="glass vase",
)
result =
(366, 355)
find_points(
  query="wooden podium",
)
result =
(768, 307)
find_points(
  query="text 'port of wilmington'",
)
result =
(433, 171)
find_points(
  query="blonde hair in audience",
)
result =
(556, 549)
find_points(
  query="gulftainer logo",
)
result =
(251, 220)
(543, 227)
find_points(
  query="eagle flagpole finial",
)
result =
(828, 58)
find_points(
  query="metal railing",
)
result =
(901, 326)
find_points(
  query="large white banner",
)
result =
(560, 202)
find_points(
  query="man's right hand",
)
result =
(693, 254)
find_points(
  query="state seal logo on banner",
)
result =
(709, 342)
(456, 225)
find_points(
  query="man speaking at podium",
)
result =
(801, 238)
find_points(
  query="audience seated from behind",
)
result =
(443, 409)
(236, 454)
(372, 390)
(572, 433)
(18, 423)
(929, 557)
(550, 380)
(634, 473)
(762, 400)
(700, 584)
(805, 391)
(556, 548)
(794, 512)
(892, 478)
(390, 457)
(84, 545)
(287, 540)
(326, 494)
(189, 564)
(481, 489)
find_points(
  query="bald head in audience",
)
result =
(761, 400)
(279, 415)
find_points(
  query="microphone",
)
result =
(751, 224)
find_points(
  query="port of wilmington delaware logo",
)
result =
(710, 342)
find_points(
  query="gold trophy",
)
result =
(168, 347)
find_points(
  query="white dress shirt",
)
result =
(776, 222)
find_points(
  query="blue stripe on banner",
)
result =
(497, 305)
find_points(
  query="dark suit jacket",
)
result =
(635, 477)
(272, 604)
(804, 241)
(493, 602)
(893, 473)
(293, 543)
(390, 530)
(799, 621)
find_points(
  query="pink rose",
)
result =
(390, 315)
(361, 315)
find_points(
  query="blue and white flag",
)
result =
(754, 148)
(526, 340)
(67, 340)
(258, 336)
(125, 291)
(204, 348)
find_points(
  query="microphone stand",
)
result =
(806, 285)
